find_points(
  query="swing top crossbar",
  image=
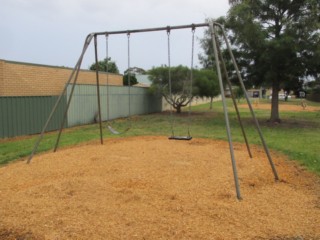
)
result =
(168, 28)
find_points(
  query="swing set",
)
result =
(221, 70)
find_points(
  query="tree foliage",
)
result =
(102, 66)
(133, 79)
(204, 84)
(234, 2)
(135, 70)
(206, 58)
(207, 84)
(180, 85)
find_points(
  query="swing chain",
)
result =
(107, 71)
(169, 80)
(107, 54)
(191, 77)
(128, 36)
(169, 63)
(192, 59)
(129, 76)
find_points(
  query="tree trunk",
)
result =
(178, 109)
(275, 102)
(211, 101)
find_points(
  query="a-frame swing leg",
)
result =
(98, 86)
(87, 43)
(75, 69)
(224, 68)
(67, 108)
(250, 107)
(233, 161)
(72, 90)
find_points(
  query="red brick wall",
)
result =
(1, 77)
(23, 79)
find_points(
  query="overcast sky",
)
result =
(52, 32)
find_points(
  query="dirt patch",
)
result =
(153, 188)
(282, 107)
(285, 124)
(18, 234)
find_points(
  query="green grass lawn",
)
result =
(298, 136)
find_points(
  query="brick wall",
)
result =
(1, 77)
(23, 79)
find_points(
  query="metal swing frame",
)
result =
(217, 56)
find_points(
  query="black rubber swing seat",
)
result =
(180, 138)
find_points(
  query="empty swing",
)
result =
(110, 128)
(173, 136)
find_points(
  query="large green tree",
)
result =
(112, 66)
(275, 42)
(277, 39)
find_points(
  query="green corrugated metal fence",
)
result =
(27, 115)
(84, 106)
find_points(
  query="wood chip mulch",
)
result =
(154, 188)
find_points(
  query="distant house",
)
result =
(255, 93)
(143, 80)
(141, 76)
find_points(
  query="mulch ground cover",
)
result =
(154, 188)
